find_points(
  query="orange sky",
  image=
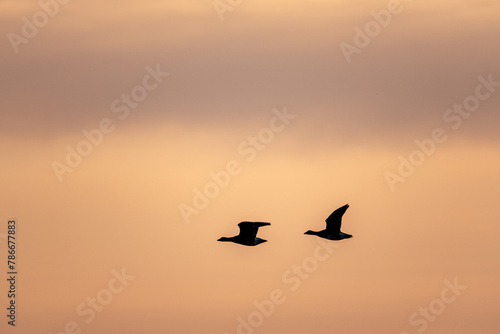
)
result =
(157, 97)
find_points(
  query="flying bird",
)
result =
(333, 222)
(248, 234)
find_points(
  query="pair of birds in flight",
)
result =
(248, 230)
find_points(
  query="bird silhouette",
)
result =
(333, 222)
(248, 234)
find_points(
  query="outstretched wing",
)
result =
(249, 229)
(334, 221)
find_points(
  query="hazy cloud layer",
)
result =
(264, 55)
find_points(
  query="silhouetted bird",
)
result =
(248, 234)
(333, 222)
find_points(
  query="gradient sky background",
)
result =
(119, 208)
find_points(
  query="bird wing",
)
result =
(249, 229)
(334, 221)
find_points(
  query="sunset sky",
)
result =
(134, 134)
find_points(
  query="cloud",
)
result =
(428, 58)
